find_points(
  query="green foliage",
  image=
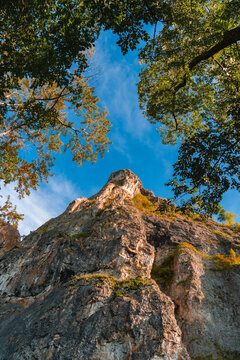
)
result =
(228, 218)
(43, 229)
(163, 274)
(42, 40)
(127, 19)
(44, 56)
(189, 247)
(9, 213)
(178, 70)
(146, 204)
(43, 128)
(208, 165)
(125, 287)
(41, 125)
(165, 207)
(222, 262)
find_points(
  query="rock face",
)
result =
(121, 275)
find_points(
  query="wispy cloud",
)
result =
(48, 201)
(117, 85)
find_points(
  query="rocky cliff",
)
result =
(122, 275)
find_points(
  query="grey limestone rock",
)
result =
(113, 277)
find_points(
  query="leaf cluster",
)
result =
(37, 121)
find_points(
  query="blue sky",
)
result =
(136, 146)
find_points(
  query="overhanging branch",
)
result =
(230, 37)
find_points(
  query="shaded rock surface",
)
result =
(114, 277)
(9, 238)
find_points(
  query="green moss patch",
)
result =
(189, 247)
(42, 229)
(81, 235)
(163, 273)
(119, 287)
(147, 205)
(143, 203)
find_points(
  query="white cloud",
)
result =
(117, 85)
(50, 200)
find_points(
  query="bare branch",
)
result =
(54, 98)
(219, 64)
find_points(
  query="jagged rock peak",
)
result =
(121, 185)
(127, 180)
(124, 183)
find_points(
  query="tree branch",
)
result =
(54, 98)
(58, 97)
(61, 95)
(230, 37)
(17, 127)
(71, 127)
(176, 121)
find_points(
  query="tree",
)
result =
(44, 50)
(36, 122)
(42, 39)
(190, 87)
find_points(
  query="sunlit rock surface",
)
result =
(119, 276)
